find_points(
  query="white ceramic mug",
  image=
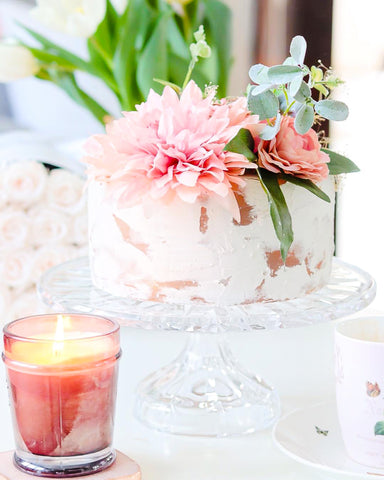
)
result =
(359, 368)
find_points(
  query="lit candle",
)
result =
(62, 374)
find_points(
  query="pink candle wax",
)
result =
(62, 374)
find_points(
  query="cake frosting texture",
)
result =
(176, 252)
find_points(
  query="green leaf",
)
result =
(332, 109)
(177, 43)
(307, 184)
(218, 27)
(165, 83)
(303, 93)
(320, 87)
(243, 143)
(133, 25)
(280, 215)
(50, 59)
(61, 52)
(379, 428)
(298, 49)
(283, 73)
(153, 63)
(266, 105)
(339, 164)
(304, 119)
(68, 83)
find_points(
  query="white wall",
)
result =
(358, 57)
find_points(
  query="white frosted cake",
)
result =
(181, 253)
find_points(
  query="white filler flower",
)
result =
(78, 18)
(16, 62)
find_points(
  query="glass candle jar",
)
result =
(62, 377)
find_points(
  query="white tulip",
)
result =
(16, 62)
(78, 18)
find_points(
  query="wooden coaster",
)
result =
(123, 469)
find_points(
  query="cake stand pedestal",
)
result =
(205, 392)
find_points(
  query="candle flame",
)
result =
(58, 344)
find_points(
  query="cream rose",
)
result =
(14, 230)
(24, 182)
(79, 233)
(65, 191)
(15, 269)
(48, 226)
(5, 304)
(27, 303)
(47, 257)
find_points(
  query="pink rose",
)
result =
(292, 153)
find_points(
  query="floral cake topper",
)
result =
(189, 144)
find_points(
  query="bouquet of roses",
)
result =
(43, 222)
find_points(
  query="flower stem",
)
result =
(189, 73)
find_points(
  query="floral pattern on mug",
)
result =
(373, 389)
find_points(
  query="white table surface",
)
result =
(298, 362)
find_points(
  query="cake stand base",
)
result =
(205, 392)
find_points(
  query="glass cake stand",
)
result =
(205, 391)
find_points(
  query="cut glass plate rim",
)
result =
(284, 439)
(68, 287)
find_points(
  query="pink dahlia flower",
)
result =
(172, 146)
(292, 153)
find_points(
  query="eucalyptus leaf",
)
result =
(290, 61)
(280, 215)
(298, 49)
(304, 119)
(280, 74)
(259, 74)
(295, 85)
(270, 131)
(266, 105)
(379, 428)
(257, 89)
(303, 93)
(339, 164)
(307, 184)
(332, 109)
(243, 143)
